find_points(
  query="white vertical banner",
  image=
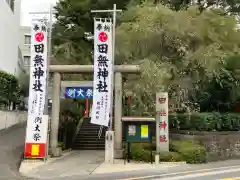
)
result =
(102, 72)
(37, 124)
(162, 128)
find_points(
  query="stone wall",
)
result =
(219, 145)
(10, 118)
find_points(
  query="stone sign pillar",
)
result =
(109, 147)
(162, 136)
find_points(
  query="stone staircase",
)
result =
(87, 137)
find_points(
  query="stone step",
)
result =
(91, 141)
(89, 148)
(90, 127)
(89, 145)
(87, 137)
(88, 131)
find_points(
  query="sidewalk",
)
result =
(119, 166)
(80, 163)
(70, 164)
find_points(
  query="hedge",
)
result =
(179, 151)
(205, 121)
(9, 88)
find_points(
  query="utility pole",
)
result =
(50, 25)
(114, 14)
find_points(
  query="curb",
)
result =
(67, 150)
(181, 162)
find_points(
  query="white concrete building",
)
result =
(25, 45)
(10, 55)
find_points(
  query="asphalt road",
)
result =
(227, 170)
(11, 150)
(12, 146)
(197, 173)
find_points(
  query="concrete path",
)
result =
(83, 164)
(11, 150)
(89, 165)
(75, 163)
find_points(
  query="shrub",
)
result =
(179, 151)
(190, 152)
(205, 121)
(170, 157)
(139, 153)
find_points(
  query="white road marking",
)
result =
(200, 174)
(179, 173)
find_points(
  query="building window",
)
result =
(27, 39)
(26, 60)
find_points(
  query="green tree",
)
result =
(229, 6)
(184, 52)
(24, 84)
(74, 26)
(179, 51)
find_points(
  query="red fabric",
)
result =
(41, 148)
(86, 108)
(129, 100)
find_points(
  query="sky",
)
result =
(28, 6)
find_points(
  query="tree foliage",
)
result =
(24, 83)
(187, 48)
(74, 27)
(180, 51)
(229, 6)
(9, 89)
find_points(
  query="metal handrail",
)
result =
(78, 128)
(100, 132)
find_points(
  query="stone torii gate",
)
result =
(57, 70)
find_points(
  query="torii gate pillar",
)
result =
(118, 154)
(55, 114)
